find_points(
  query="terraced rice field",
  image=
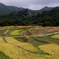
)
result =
(14, 52)
(49, 38)
(14, 46)
(21, 44)
(55, 36)
(52, 49)
(16, 33)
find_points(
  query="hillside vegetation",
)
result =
(23, 17)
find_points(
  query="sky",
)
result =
(31, 4)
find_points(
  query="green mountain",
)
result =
(46, 9)
(13, 8)
(43, 9)
(7, 9)
(21, 14)
(4, 9)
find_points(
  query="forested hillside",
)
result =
(7, 9)
(47, 18)
(4, 9)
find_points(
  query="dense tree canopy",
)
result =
(24, 17)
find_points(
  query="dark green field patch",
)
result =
(35, 42)
(48, 38)
(2, 56)
(21, 39)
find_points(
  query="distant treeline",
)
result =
(23, 17)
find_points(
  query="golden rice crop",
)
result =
(26, 46)
(16, 32)
(14, 52)
(50, 49)
(1, 40)
(55, 36)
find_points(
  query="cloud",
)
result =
(31, 4)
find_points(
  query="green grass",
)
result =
(40, 51)
(2, 56)
(2, 31)
(48, 38)
(35, 42)
(4, 40)
(21, 39)
(32, 41)
(24, 28)
(44, 41)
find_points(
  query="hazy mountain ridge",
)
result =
(7, 9)
(46, 9)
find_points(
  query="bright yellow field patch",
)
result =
(26, 46)
(50, 49)
(55, 36)
(16, 32)
(1, 40)
(14, 52)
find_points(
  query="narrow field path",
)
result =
(39, 35)
(34, 35)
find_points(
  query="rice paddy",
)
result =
(13, 44)
(55, 36)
